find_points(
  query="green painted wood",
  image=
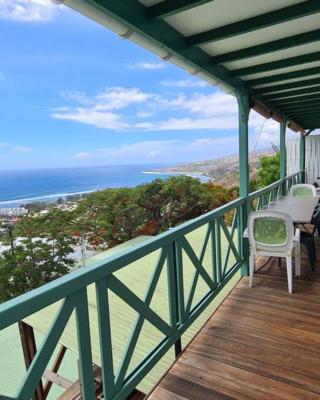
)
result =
(197, 272)
(306, 111)
(128, 353)
(172, 287)
(19, 308)
(213, 251)
(155, 355)
(178, 270)
(274, 65)
(301, 106)
(293, 95)
(290, 85)
(172, 333)
(218, 258)
(138, 305)
(84, 345)
(175, 289)
(135, 16)
(231, 238)
(45, 350)
(269, 47)
(232, 247)
(107, 363)
(167, 8)
(255, 23)
(244, 111)
(191, 254)
(283, 155)
(285, 76)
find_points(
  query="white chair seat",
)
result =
(271, 234)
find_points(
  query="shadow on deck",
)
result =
(262, 343)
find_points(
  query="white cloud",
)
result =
(98, 119)
(22, 149)
(145, 65)
(27, 10)
(144, 114)
(143, 111)
(151, 151)
(185, 83)
(82, 155)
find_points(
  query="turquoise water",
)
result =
(19, 187)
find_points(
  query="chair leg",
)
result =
(314, 249)
(310, 250)
(251, 269)
(289, 273)
(297, 260)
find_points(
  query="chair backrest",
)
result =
(303, 190)
(270, 231)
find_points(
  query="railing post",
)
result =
(302, 156)
(244, 110)
(176, 294)
(283, 156)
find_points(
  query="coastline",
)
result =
(198, 175)
(51, 198)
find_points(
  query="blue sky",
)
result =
(75, 94)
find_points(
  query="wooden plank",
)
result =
(53, 373)
(236, 382)
(261, 343)
(29, 348)
(59, 380)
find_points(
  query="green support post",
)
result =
(244, 111)
(283, 156)
(302, 156)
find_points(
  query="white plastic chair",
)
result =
(303, 190)
(271, 234)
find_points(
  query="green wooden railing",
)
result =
(222, 240)
(261, 198)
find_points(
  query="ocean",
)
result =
(18, 187)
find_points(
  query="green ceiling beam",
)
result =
(297, 101)
(254, 23)
(273, 65)
(305, 113)
(171, 7)
(290, 85)
(300, 106)
(302, 111)
(134, 15)
(292, 94)
(302, 73)
(269, 47)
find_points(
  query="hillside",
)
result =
(223, 171)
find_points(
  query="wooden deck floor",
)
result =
(262, 343)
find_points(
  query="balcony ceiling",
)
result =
(269, 50)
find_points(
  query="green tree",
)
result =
(111, 216)
(171, 201)
(32, 263)
(269, 170)
(42, 253)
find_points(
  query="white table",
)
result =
(300, 209)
